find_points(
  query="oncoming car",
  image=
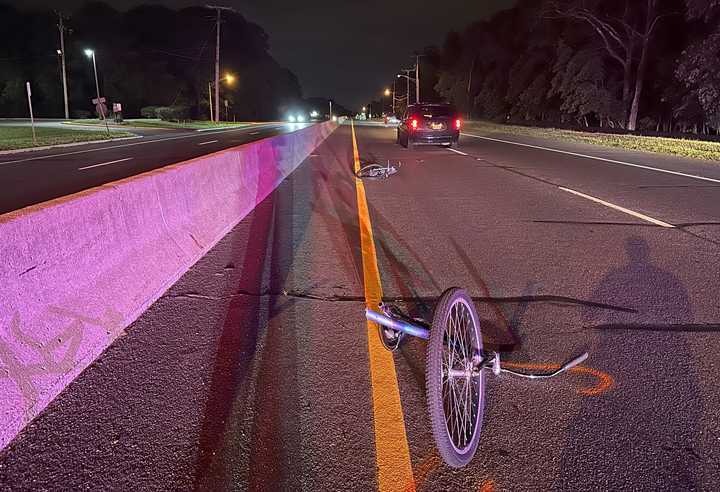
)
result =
(392, 120)
(297, 117)
(429, 124)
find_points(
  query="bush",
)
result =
(173, 113)
(81, 114)
(149, 112)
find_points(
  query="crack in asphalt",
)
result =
(407, 299)
(28, 270)
(681, 327)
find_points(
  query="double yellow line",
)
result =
(392, 453)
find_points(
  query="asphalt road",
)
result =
(37, 176)
(253, 373)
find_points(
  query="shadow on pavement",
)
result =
(649, 422)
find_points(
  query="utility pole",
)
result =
(210, 102)
(407, 82)
(417, 79)
(218, 10)
(393, 98)
(330, 109)
(217, 68)
(469, 87)
(61, 28)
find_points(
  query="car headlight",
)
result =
(300, 118)
(291, 119)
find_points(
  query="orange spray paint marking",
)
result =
(487, 486)
(423, 470)
(605, 381)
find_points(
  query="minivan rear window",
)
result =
(433, 110)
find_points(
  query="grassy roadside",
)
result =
(20, 137)
(695, 149)
(154, 123)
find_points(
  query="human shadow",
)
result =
(639, 436)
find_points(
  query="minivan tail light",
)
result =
(414, 123)
(458, 124)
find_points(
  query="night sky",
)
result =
(345, 49)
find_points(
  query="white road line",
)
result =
(255, 133)
(456, 151)
(612, 161)
(144, 142)
(619, 208)
(105, 164)
(206, 143)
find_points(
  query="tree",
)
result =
(697, 69)
(153, 56)
(620, 35)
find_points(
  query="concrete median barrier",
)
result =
(77, 271)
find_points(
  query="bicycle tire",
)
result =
(457, 441)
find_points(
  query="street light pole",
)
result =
(229, 79)
(97, 84)
(408, 79)
(91, 54)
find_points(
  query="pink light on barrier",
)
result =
(78, 270)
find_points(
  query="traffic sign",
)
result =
(101, 110)
(97, 101)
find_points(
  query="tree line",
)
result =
(647, 65)
(148, 56)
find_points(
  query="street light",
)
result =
(388, 92)
(408, 80)
(230, 80)
(91, 54)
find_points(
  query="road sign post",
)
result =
(32, 118)
(100, 107)
(117, 112)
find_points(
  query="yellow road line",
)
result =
(392, 453)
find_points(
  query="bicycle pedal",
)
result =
(496, 364)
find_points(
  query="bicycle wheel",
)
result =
(455, 395)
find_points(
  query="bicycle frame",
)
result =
(398, 324)
(492, 360)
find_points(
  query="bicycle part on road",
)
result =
(455, 388)
(377, 171)
(390, 338)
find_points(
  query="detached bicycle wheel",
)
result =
(455, 392)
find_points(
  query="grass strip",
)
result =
(20, 137)
(694, 149)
